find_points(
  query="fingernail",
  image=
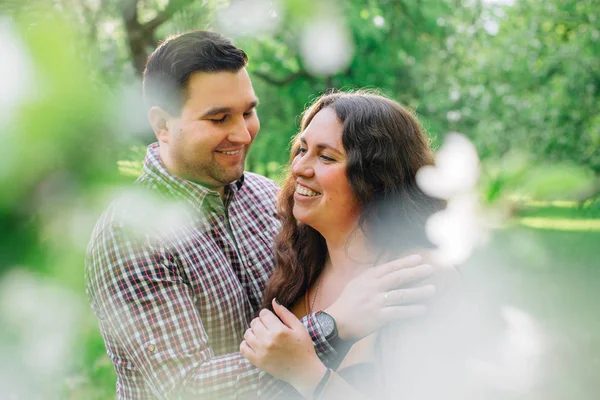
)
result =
(277, 301)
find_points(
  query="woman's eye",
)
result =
(301, 150)
(326, 158)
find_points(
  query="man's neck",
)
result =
(166, 162)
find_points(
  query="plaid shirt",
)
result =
(175, 275)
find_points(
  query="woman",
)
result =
(350, 202)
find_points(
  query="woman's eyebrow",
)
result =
(321, 145)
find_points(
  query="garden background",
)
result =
(519, 78)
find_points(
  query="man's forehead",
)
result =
(228, 91)
(220, 85)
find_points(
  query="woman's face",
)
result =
(323, 197)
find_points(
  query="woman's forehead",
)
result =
(324, 129)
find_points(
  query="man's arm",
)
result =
(147, 312)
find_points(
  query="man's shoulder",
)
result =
(127, 217)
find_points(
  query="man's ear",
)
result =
(158, 119)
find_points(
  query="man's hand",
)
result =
(381, 295)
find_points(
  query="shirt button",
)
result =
(151, 348)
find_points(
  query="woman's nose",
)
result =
(302, 167)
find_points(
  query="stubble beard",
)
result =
(214, 175)
(223, 175)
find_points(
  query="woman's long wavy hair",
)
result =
(385, 146)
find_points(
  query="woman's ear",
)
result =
(158, 119)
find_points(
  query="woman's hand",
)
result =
(283, 348)
(382, 294)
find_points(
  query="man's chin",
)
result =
(231, 176)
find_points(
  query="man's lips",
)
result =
(229, 152)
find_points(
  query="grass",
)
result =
(549, 267)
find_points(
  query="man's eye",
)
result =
(220, 120)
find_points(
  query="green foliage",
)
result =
(521, 81)
(515, 175)
(533, 85)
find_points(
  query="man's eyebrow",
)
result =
(216, 110)
(212, 111)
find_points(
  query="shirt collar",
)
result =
(155, 171)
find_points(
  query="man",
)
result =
(174, 299)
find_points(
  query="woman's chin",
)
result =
(301, 215)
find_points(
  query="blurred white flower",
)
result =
(514, 365)
(378, 20)
(16, 71)
(250, 18)
(491, 27)
(455, 95)
(453, 116)
(458, 228)
(42, 318)
(500, 2)
(456, 169)
(109, 27)
(148, 214)
(130, 114)
(326, 46)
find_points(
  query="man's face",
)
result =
(208, 142)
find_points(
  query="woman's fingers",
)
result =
(402, 277)
(251, 339)
(270, 321)
(286, 316)
(259, 329)
(395, 313)
(247, 351)
(398, 264)
(408, 296)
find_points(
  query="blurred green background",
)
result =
(519, 78)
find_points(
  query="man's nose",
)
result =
(240, 133)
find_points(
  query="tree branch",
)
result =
(171, 8)
(281, 82)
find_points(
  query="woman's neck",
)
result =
(348, 254)
(347, 257)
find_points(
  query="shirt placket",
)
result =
(227, 214)
(216, 205)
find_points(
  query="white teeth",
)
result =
(306, 191)
(231, 153)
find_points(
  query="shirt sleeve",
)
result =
(147, 312)
(325, 351)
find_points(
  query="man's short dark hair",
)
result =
(170, 66)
